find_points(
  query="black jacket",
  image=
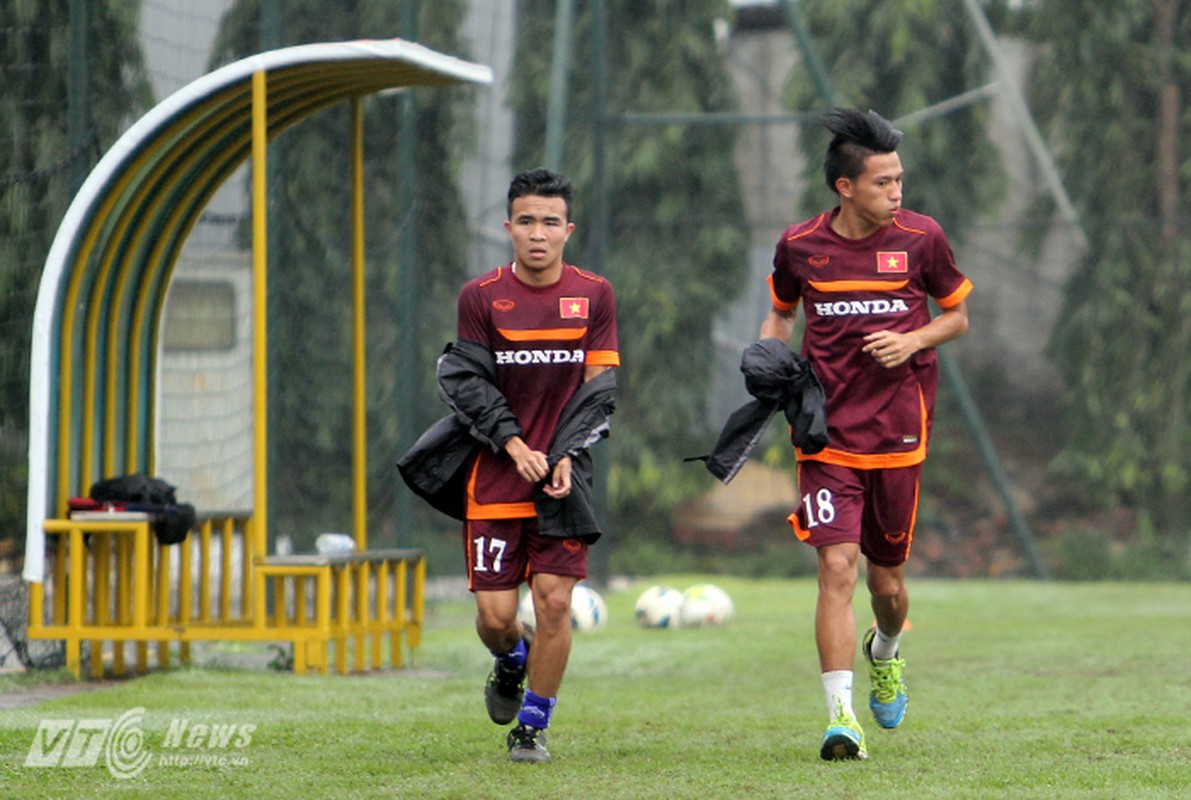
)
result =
(436, 467)
(776, 378)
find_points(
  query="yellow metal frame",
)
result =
(260, 306)
(366, 598)
(110, 583)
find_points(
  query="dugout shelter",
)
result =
(98, 580)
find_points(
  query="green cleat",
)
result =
(889, 697)
(844, 739)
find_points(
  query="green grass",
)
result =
(1018, 690)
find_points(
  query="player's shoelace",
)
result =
(887, 678)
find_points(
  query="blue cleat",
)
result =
(889, 697)
(844, 739)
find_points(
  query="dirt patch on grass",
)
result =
(18, 696)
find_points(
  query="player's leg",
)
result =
(556, 566)
(888, 534)
(835, 625)
(552, 636)
(835, 638)
(829, 519)
(496, 563)
(496, 619)
(890, 600)
(888, 696)
(548, 662)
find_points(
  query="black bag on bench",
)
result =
(172, 520)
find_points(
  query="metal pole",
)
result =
(1017, 105)
(260, 295)
(271, 232)
(77, 109)
(599, 178)
(270, 31)
(409, 382)
(806, 44)
(988, 454)
(359, 336)
(560, 69)
(596, 259)
(711, 118)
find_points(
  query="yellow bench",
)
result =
(110, 582)
(357, 595)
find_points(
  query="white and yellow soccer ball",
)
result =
(589, 612)
(705, 604)
(658, 607)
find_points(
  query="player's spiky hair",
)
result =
(857, 135)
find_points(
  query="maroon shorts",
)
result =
(876, 508)
(503, 553)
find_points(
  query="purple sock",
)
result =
(536, 711)
(515, 658)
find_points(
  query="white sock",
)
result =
(837, 686)
(885, 647)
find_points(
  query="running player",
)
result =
(551, 329)
(863, 273)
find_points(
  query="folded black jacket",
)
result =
(436, 467)
(777, 378)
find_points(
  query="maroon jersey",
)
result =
(542, 338)
(877, 417)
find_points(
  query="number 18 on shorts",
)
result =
(875, 508)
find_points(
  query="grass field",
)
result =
(1017, 690)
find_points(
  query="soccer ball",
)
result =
(588, 610)
(658, 607)
(525, 613)
(705, 604)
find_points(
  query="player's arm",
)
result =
(602, 350)
(779, 323)
(891, 349)
(592, 370)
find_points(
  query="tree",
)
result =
(677, 235)
(1109, 87)
(40, 167)
(310, 306)
(912, 54)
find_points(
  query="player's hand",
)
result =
(560, 482)
(889, 349)
(531, 464)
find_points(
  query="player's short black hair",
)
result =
(857, 135)
(543, 183)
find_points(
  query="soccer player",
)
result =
(863, 273)
(551, 330)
